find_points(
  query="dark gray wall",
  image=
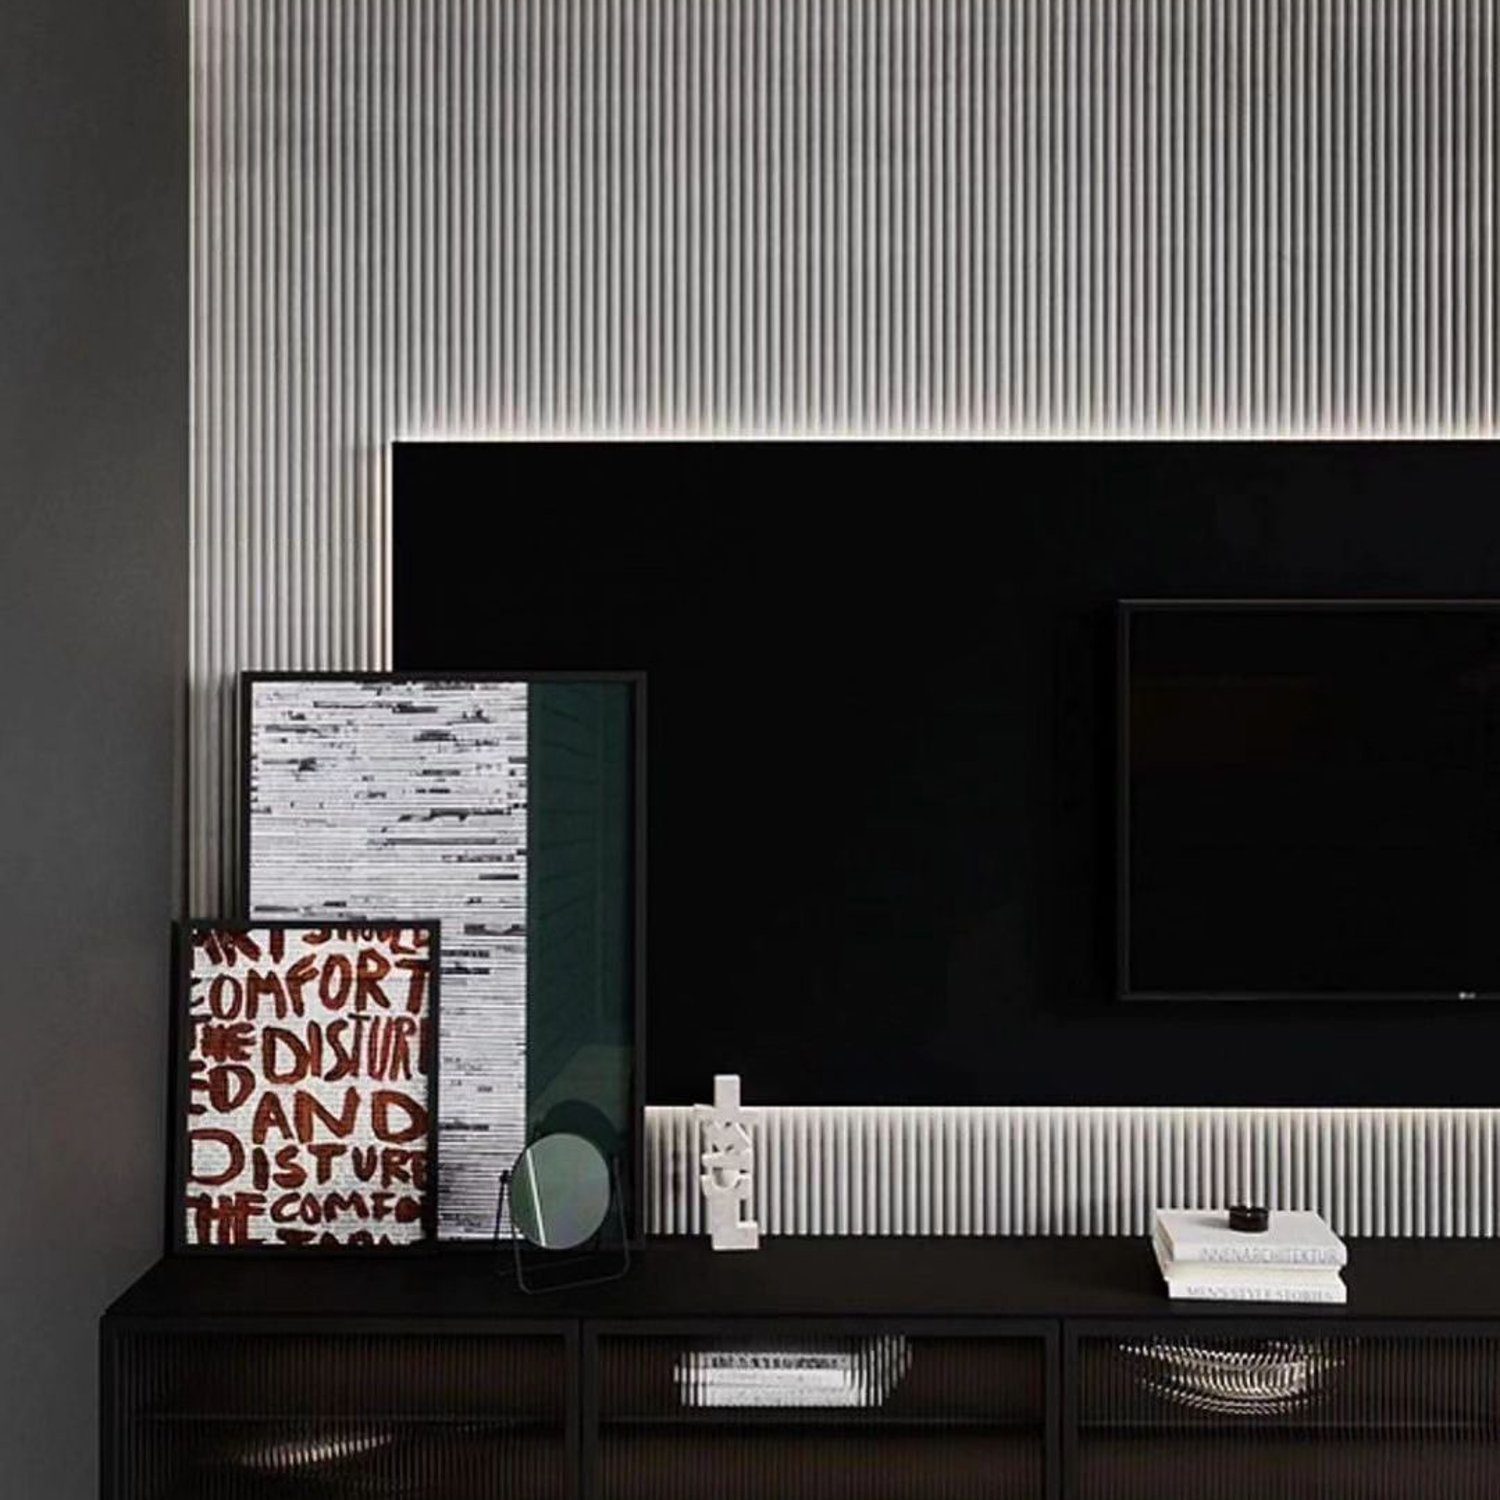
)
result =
(93, 520)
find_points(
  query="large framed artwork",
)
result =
(305, 1071)
(509, 808)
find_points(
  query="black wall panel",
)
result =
(881, 736)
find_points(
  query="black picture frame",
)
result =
(636, 681)
(182, 972)
(1126, 610)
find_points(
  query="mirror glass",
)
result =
(560, 1191)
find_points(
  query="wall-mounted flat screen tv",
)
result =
(1309, 800)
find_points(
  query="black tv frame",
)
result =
(1125, 611)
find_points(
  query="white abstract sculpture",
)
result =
(728, 1166)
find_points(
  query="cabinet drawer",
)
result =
(265, 1416)
(877, 1413)
(1292, 1412)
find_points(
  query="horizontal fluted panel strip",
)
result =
(467, 218)
(1061, 1170)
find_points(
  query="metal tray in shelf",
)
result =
(1269, 1377)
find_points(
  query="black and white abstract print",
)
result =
(373, 796)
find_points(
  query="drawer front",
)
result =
(1200, 1414)
(874, 1414)
(198, 1416)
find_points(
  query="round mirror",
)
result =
(560, 1191)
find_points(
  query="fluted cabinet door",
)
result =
(263, 1416)
(881, 1413)
(1301, 1413)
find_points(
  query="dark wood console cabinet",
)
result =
(1031, 1370)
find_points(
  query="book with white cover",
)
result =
(824, 1380)
(1294, 1237)
(1205, 1281)
(747, 1369)
(772, 1359)
(715, 1395)
(862, 1374)
(1271, 1291)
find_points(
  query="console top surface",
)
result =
(831, 1278)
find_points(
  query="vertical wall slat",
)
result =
(475, 218)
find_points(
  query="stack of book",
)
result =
(1297, 1258)
(860, 1374)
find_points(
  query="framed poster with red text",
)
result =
(306, 1058)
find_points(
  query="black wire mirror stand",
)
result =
(563, 1270)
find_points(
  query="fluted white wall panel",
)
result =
(1088, 1171)
(433, 218)
(469, 218)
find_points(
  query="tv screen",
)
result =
(1309, 800)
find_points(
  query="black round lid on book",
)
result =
(1249, 1218)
